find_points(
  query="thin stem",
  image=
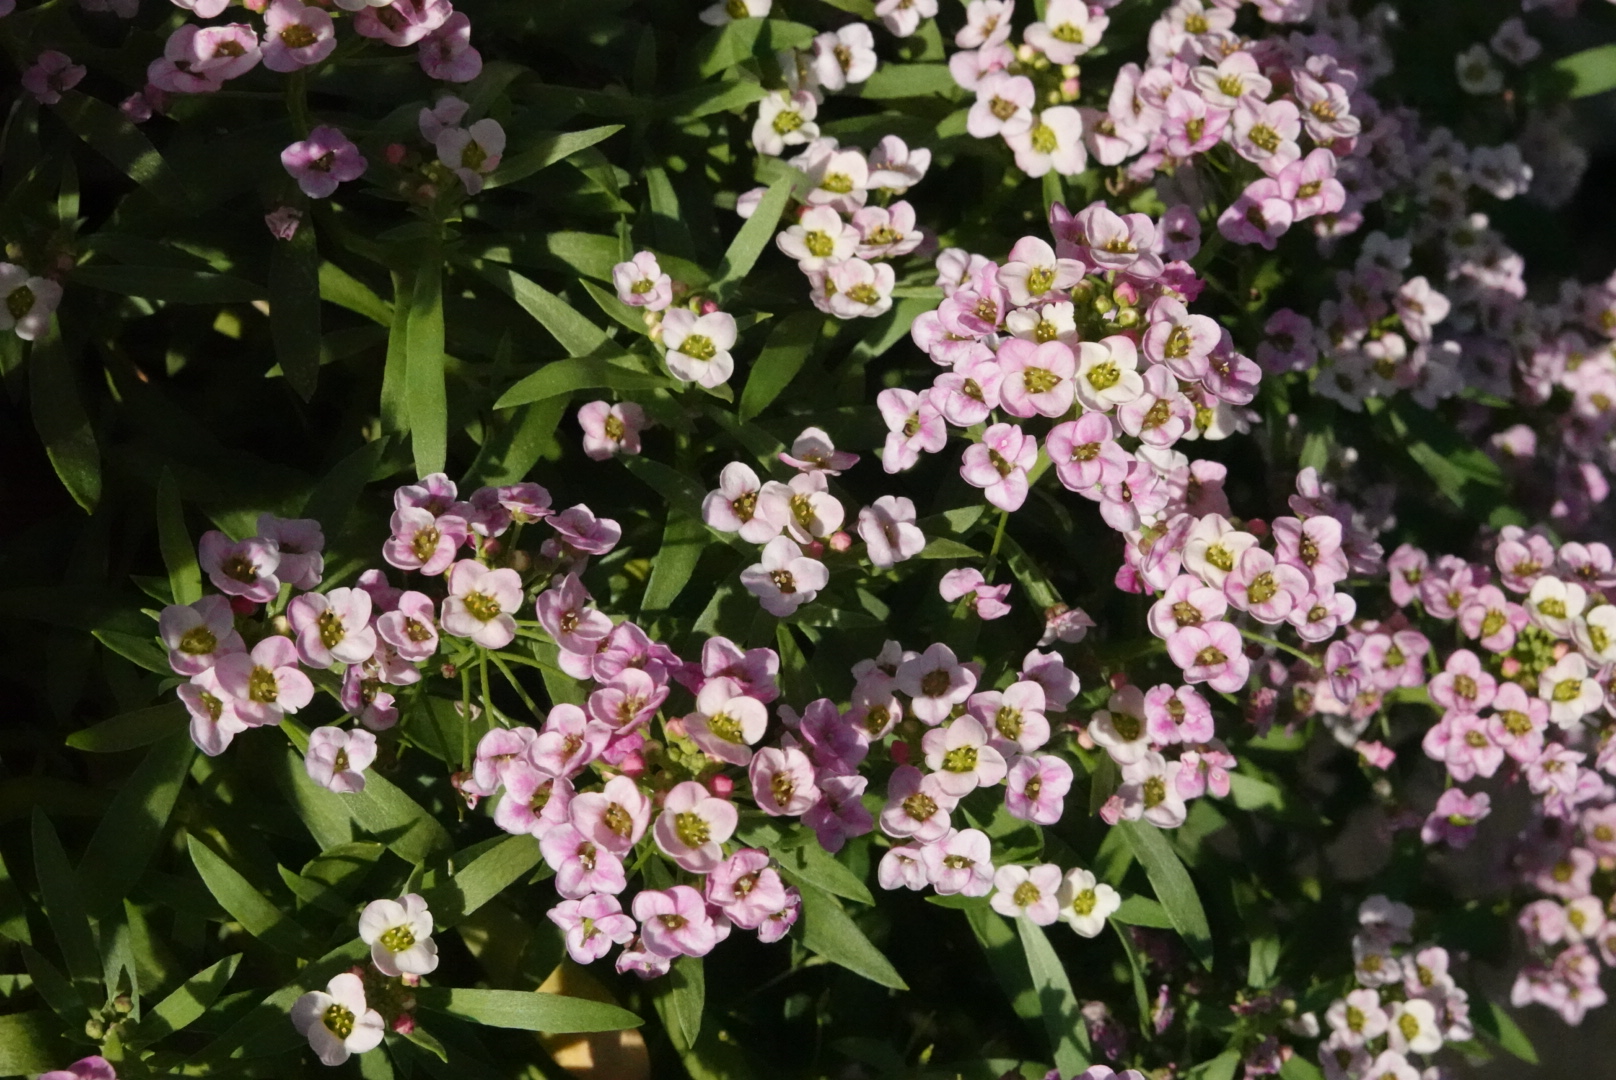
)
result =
(465, 718)
(510, 677)
(488, 697)
(1271, 643)
(993, 553)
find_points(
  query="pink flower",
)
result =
(917, 806)
(296, 36)
(1463, 686)
(889, 531)
(534, 802)
(246, 569)
(569, 741)
(1178, 339)
(1149, 790)
(1029, 891)
(611, 429)
(813, 451)
(674, 922)
(1036, 789)
(1186, 602)
(411, 627)
(747, 888)
(498, 752)
(726, 722)
(333, 628)
(641, 282)
(645, 964)
(961, 862)
(581, 865)
(692, 826)
(90, 1068)
(266, 683)
(470, 153)
(986, 600)
(1259, 216)
(214, 722)
(51, 75)
(1211, 653)
(204, 9)
(424, 541)
(754, 670)
(1406, 570)
(581, 530)
(403, 22)
(199, 634)
(563, 613)
(1522, 559)
(327, 157)
(999, 463)
(628, 699)
(1492, 618)
(1139, 494)
(526, 503)
(1264, 588)
(740, 506)
(481, 604)
(839, 814)
(783, 781)
(1518, 722)
(785, 579)
(935, 681)
(914, 426)
(1003, 105)
(1454, 820)
(1177, 715)
(1086, 454)
(1394, 660)
(301, 543)
(337, 759)
(1205, 770)
(959, 755)
(1037, 378)
(446, 53)
(592, 925)
(902, 867)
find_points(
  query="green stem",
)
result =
(488, 697)
(993, 553)
(1272, 643)
(465, 718)
(510, 677)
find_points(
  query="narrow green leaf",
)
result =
(395, 405)
(131, 730)
(1141, 995)
(13, 912)
(133, 825)
(909, 81)
(484, 878)
(1142, 911)
(684, 538)
(516, 442)
(575, 333)
(864, 9)
(391, 816)
(141, 651)
(674, 486)
(185, 1005)
(668, 219)
(679, 1001)
(344, 290)
(179, 554)
(546, 152)
(1029, 574)
(527, 1010)
(251, 908)
(54, 988)
(428, 1042)
(424, 384)
(334, 497)
(1494, 1022)
(577, 373)
(755, 235)
(887, 330)
(1589, 72)
(31, 1043)
(811, 863)
(1002, 947)
(788, 348)
(60, 419)
(742, 39)
(62, 894)
(943, 548)
(112, 136)
(830, 932)
(1222, 1067)
(1063, 1021)
(294, 307)
(1297, 1067)
(1173, 886)
(264, 1029)
(169, 284)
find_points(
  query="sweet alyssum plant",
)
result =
(899, 551)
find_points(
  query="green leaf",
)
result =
(179, 554)
(755, 235)
(680, 999)
(944, 548)
(546, 152)
(1222, 1067)
(133, 825)
(61, 892)
(426, 1041)
(31, 1043)
(1492, 1021)
(61, 421)
(54, 988)
(1461, 470)
(864, 9)
(674, 486)
(516, 442)
(1589, 72)
(395, 406)
(141, 651)
(909, 81)
(112, 136)
(1142, 911)
(1297, 1067)
(185, 1005)
(577, 373)
(335, 496)
(388, 814)
(483, 878)
(575, 333)
(294, 307)
(246, 905)
(527, 1010)
(1173, 886)
(1002, 947)
(811, 863)
(830, 932)
(1063, 1021)
(1029, 574)
(742, 39)
(787, 349)
(344, 290)
(264, 1029)
(169, 284)
(1141, 995)
(131, 730)
(684, 538)
(425, 392)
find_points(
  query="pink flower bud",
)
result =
(675, 727)
(814, 549)
(708, 307)
(900, 753)
(1257, 527)
(1511, 667)
(449, 671)
(632, 765)
(721, 786)
(242, 607)
(404, 1023)
(840, 541)
(394, 153)
(1119, 680)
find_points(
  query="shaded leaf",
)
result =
(483, 878)
(185, 1005)
(788, 348)
(425, 393)
(179, 554)
(246, 905)
(576, 334)
(829, 932)
(112, 136)
(680, 999)
(1492, 1021)
(546, 152)
(684, 538)
(1063, 1021)
(133, 825)
(577, 373)
(60, 419)
(170, 284)
(61, 892)
(294, 308)
(811, 863)
(131, 730)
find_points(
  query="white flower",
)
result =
(891, 535)
(1595, 634)
(819, 239)
(962, 759)
(902, 17)
(1085, 904)
(729, 10)
(698, 346)
(813, 512)
(1149, 790)
(1553, 604)
(1358, 1018)
(845, 56)
(1051, 322)
(1034, 272)
(472, 152)
(1413, 1028)
(1571, 694)
(860, 289)
(399, 933)
(1107, 373)
(785, 120)
(26, 302)
(786, 578)
(1069, 29)
(336, 1021)
(1054, 141)
(841, 179)
(1033, 891)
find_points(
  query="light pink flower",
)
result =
(297, 36)
(641, 282)
(470, 153)
(534, 802)
(692, 826)
(446, 53)
(889, 532)
(1259, 216)
(783, 781)
(582, 866)
(197, 635)
(1028, 890)
(337, 759)
(411, 627)
(813, 451)
(1013, 718)
(961, 862)
(674, 922)
(1177, 715)
(988, 601)
(1003, 105)
(914, 426)
(960, 756)
(402, 22)
(214, 722)
(569, 741)
(1036, 789)
(327, 157)
(935, 681)
(1264, 588)
(482, 603)
(747, 888)
(726, 722)
(839, 814)
(591, 925)
(917, 806)
(333, 628)
(50, 75)
(246, 569)
(739, 506)
(1086, 454)
(266, 683)
(785, 579)
(1211, 653)
(999, 464)
(1454, 820)
(565, 616)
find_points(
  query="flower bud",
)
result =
(840, 541)
(721, 785)
(394, 154)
